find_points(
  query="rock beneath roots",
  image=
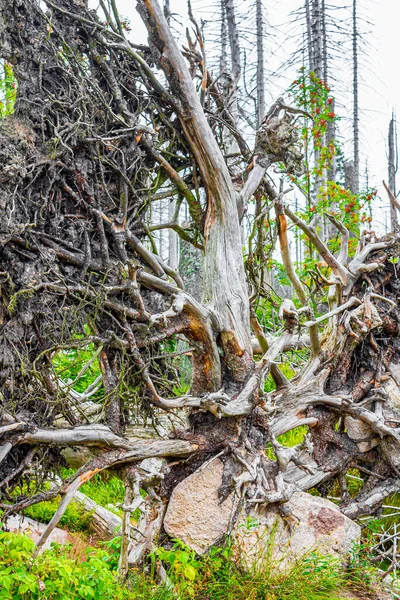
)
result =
(312, 524)
(196, 516)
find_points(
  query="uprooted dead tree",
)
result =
(101, 127)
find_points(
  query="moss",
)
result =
(75, 518)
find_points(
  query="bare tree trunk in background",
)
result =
(260, 63)
(172, 235)
(316, 28)
(329, 174)
(350, 176)
(392, 171)
(309, 35)
(223, 62)
(330, 129)
(167, 10)
(356, 118)
(317, 53)
(233, 35)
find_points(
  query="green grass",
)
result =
(75, 517)
(289, 439)
(103, 488)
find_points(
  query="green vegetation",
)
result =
(58, 574)
(289, 439)
(55, 574)
(103, 488)
(69, 366)
(75, 517)
(8, 90)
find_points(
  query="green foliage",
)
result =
(183, 566)
(222, 575)
(8, 90)
(291, 364)
(57, 574)
(289, 439)
(313, 578)
(103, 488)
(354, 483)
(285, 367)
(54, 575)
(75, 517)
(69, 363)
(312, 95)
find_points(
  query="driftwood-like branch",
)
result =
(310, 231)
(291, 273)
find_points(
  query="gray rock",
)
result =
(34, 529)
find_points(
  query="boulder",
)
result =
(312, 524)
(195, 514)
(34, 530)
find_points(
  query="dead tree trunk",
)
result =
(392, 172)
(260, 63)
(356, 117)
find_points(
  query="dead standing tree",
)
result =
(95, 133)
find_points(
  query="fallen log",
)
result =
(104, 523)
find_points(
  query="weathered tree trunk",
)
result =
(356, 117)
(309, 36)
(235, 70)
(392, 172)
(260, 63)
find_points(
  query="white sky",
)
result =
(379, 71)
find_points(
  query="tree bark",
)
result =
(356, 117)
(260, 63)
(392, 173)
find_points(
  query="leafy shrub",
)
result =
(53, 575)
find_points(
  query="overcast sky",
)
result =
(379, 73)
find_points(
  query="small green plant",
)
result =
(8, 90)
(221, 574)
(182, 565)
